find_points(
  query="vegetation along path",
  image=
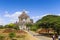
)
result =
(39, 36)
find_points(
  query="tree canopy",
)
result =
(48, 21)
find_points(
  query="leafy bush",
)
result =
(1, 27)
(12, 35)
(1, 37)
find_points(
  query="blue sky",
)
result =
(36, 9)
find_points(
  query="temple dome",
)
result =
(23, 15)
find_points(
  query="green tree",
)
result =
(45, 25)
(1, 37)
(13, 26)
(28, 24)
(1, 27)
(50, 21)
(12, 35)
(33, 27)
(6, 26)
(57, 29)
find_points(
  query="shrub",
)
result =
(1, 37)
(12, 35)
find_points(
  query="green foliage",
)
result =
(1, 37)
(33, 27)
(16, 27)
(50, 21)
(1, 27)
(11, 25)
(12, 35)
(6, 26)
(49, 18)
(28, 24)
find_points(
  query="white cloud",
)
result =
(14, 16)
(58, 14)
(35, 18)
(39, 17)
(11, 18)
(2, 22)
(27, 11)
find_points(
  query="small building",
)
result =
(23, 20)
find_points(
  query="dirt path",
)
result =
(31, 37)
(39, 36)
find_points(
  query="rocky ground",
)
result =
(24, 35)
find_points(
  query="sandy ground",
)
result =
(40, 37)
(31, 37)
(28, 35)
